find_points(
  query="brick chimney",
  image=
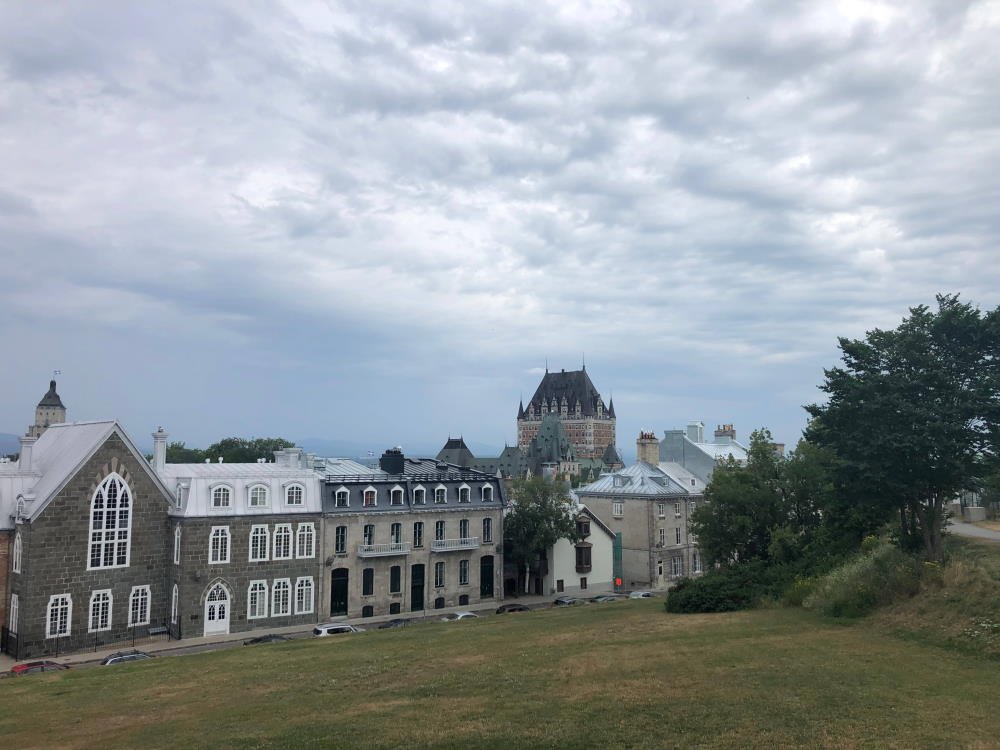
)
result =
(647, 448)
(725, 431)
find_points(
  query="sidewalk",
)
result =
(169, 646)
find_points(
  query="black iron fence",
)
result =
(133, 637)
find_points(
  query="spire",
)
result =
(611, 407)
(520, 410)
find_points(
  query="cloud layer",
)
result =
(356, 218)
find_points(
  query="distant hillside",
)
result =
(9, 444)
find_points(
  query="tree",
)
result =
(910, 415)
(541, 513)
(230, 450)
(178, 453)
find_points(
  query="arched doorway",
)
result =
(338, 591)
(218, 603)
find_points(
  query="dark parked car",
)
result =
(395, 623)
(566, 601)
(511, 608)
(120, 657)
(34, 667)
(269, 638)
(607, 598)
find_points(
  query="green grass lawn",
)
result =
(622, 674)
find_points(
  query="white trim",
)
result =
(69, 616)
(463, 565)
(90, 610)
(310, 605)
(488, 524)
(103, 532)
(174, 605)
(482, 493)
(423, 492)
(177, 544)
(302, 494)
(228, 537)
(211, 497)
(274, 597)
(398, 538)
(402, 495)
(468, 493)
(13, 613)
(278, 528)
(336, 549)
(263, 609)
(311, 526)
(436, 489)
(439, 566)
(250, 493)
(136, 595)
(255, 532)
(347, 498)
(364, 493)
(16, 554)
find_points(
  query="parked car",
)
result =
(269, 638)
(511, 608)
(566, 601)
(335, 628)
(397, 622)
(120, 657)
(34, 667)
(454, 616)
(606, 598)
(641, 595)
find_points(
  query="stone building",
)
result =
(412, 535)
(50, 410)
(689, 449)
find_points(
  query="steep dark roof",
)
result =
(574, 386)
(51, 398)
(456, 452)
(612, 456)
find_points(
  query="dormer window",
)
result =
(342, 498)
(419, 496)
(222, 497)
(257, 497)
(294, 494)
(396, 496)
(440, 494)
(370, 497)
(464, 493)
(487, 493)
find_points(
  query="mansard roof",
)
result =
(574, 386)
(51, 398)
(456, 452)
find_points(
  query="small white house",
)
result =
(584, 567)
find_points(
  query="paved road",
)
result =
(977, 532)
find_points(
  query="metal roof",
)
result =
(638, 479)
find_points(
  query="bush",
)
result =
(799, 590)
(865, 582)
(728, 589)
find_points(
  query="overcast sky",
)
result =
(374, 221)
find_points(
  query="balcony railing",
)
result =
(383, 550)
(446, 545)
(583, 568)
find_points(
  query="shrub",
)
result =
(728, 589)
(865, 582)
(799, 590)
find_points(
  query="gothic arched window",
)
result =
(110, 524)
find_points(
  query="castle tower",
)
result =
(647, 448)
(50, 410)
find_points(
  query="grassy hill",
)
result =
(623, 674)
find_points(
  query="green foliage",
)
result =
(231, 450)
(799, 590)
(728, 589)
(911, 414)
(540, 514)
(865, 582)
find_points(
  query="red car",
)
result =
(34, 667)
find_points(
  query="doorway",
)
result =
(486, 577)
(338, 591)
(217, 608)
(416, 588)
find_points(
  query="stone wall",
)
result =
(6, 544)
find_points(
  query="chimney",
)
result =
(160, 449)
(392, 461)
(696, 432)
(24, 462)
(725, 431)
(647, 448)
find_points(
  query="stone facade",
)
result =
(55, 554)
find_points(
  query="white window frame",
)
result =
(102, 533)
(259, 531)
(282, 585)
(418, 534)
(14, 613)
(487, 531)
(229, 497)
(365, 536)
(303, 584)
(463, 572)
(261, 600)
(393, 495)
(177, 544)
(441, 488)
(440, 530)
(336, 549)
(283, 529)
(419, 495)
(396, 533)
(137, 595)
(302, 495)
(617, 508)
(342, 490)
(463, 487)
(663, 536)
(174, 605)
(55, 600)
(305, 531)
(463, 526)
(94, 595)
(661, 510)
(677, 510)
(16, 553)
(679, 535)
(439, 574)
(364, 497)
(223, 534)
(486, 493)
(254, 489)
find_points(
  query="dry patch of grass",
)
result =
(991, 525)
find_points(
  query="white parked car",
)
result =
(335, 628)
(458, 616)
(641, 595)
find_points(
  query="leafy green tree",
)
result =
(910, 416)
(245, 451)
(539, 515)
(179, 453)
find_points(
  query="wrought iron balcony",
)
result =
(383, 550)
(447, 545)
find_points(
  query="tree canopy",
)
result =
(540, 514)
(231, 450)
